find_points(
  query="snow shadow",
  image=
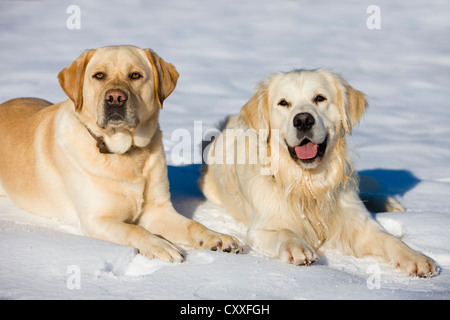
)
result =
(375, 184)
(388, 181)
(379, 184)
(185, 192)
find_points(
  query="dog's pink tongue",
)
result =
(306, 151)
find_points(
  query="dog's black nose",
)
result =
(304, 121)
(116, 97)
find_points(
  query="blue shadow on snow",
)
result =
(375, 184)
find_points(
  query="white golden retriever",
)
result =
(281, 167)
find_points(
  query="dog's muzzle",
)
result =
(308, 150)
(117, 111)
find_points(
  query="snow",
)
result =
(221, 50)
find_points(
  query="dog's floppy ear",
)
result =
(357, 104)
(165, 76)
(352, 104)
(256, 111)
(71, 78)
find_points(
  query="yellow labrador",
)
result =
(97, 159)
(282, 168)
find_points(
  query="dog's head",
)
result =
(310, 109)
(118, 88)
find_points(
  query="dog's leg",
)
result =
(374, 241)
(361, 235)
(370, 194)
(164, 221)
(381, 203)
(282, 244)
(119, 232)
(159, 216)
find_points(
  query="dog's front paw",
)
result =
(156, 247)
(218, 241)
(204, 238)
(415, 264)
(297, 252)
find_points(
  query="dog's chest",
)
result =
(124, 185)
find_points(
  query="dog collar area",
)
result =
(101, 145)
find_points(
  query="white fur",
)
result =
(293, 211)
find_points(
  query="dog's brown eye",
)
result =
(283, 103)
(135, 76)
(99, 76)
(319, 98)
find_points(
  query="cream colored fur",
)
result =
(50, 164)
(292, 208)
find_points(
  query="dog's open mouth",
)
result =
(308, 151)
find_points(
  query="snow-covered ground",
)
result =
(221, 50)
